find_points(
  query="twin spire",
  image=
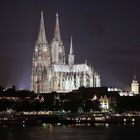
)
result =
(42, 32)
(57, 36)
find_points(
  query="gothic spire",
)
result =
(71, 55)
(134, 77)
(42, 34)
(57, 35)
(71, 47)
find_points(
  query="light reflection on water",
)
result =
(71, 132)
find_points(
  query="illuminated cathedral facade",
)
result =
(51, 72)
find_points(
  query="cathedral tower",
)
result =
(40, 60)
(97, 80)
(57, 47)
(71, 55)
(49, 69)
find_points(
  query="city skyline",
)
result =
(105, 33)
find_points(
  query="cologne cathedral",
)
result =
(51, 72)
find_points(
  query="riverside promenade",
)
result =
(49, 117)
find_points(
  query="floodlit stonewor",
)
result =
(50, 72)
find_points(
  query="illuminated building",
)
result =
(104, 102)
(50, 72)
(135, 86)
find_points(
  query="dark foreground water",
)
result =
(49, 132)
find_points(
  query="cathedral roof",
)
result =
(81, 68)
(74, 68)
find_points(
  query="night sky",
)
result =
(105, 32)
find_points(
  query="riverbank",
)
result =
(90, 118)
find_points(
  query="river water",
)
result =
(71, 132)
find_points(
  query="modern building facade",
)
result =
(51, 72)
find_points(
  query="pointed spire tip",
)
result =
(57, 14)
(134, 76)
(42, 12)
(71, 46)
(57, 35)
(42, 34)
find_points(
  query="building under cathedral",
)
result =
(51, 72)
